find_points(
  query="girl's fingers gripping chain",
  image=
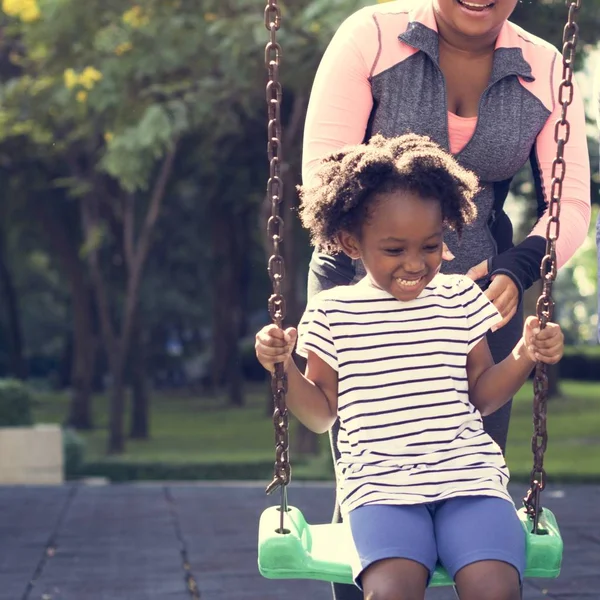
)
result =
(546, 345)
(273, 345)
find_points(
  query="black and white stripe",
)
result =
(408, 433)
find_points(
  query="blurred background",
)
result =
(133, 242)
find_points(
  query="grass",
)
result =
(185, 429)
(573, 433)
(200, 430)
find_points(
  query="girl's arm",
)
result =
(492, 385)
(312, 398)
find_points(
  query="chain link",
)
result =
(545, 304)
(276, 267)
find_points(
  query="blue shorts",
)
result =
(454, 532)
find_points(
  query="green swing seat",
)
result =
(326, 552)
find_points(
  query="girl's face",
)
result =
(473, 18)
(400, 243)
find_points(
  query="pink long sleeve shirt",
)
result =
(381, 74)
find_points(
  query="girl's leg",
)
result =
(488, 580)
(395, 579)
(481, 542)
(396, 550)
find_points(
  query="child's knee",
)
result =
(395, 579)
(488, 580)
(502, 591)
(388, 592)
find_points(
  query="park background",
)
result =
(133, 241)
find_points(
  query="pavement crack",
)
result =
(51, 544)
(190, 580)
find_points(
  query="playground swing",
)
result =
(289, 547)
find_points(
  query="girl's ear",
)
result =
(349, 244)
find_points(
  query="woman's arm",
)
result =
(522, 263)
(341, 100)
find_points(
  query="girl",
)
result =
(402, 360)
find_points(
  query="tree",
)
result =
(118, 122)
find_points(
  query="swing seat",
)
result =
(326, 552)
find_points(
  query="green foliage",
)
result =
(118, 471)
(74, 452)
(576, 292)
(581, 363)
(16, 403)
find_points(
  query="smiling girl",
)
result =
(401, 359)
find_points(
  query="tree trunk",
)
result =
(306, 441)
(228, 258)
(235, 383)
(220, 308)
(117, 338)
(65, 243)
(116, 439)
(84, 358)
(17, 365)
(115, 347)
(140, 401)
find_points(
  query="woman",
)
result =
(459, 72)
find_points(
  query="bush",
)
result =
(74, 452)
(119, 471)
(251, 368)
(581, 363)
(16, 403)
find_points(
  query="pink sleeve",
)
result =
(575, 202)
(341, 100)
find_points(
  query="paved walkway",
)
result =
(182, 541)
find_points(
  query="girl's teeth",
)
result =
(408, 283)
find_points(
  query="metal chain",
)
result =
(277, 308)
(545, 304)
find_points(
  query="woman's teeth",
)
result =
(475, 6)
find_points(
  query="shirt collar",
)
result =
(422, 34)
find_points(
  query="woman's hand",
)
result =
(546, 345)
(274, 345)
(446, 254)
(502, 292)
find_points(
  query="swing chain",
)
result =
(276, 267)
(548, 269)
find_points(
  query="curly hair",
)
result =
(351, 178)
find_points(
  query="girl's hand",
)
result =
(502, 292)
(546, 345)
(274, 345)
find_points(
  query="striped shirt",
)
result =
(408, 433)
